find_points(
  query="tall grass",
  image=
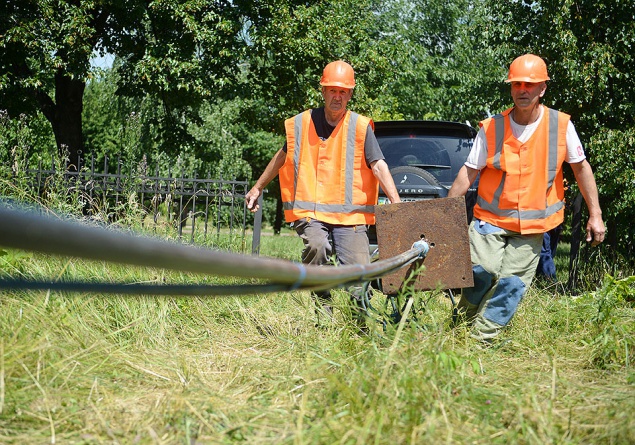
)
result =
(79, 368)
(91, 369)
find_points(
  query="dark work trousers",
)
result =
(333, 244)
(546, 265)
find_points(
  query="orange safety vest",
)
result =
(328, 180)
(522, 189)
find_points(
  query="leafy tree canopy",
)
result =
(180, 51)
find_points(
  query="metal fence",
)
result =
(197, 208)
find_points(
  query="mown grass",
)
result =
(87, 369)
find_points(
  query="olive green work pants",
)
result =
(504, 264)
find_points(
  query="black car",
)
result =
(424, 157)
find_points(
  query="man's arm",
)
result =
(271, 171)
(595, 229)
(382, 173)
(464, 179)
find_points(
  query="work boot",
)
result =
(466, 312)
(360, 307)
(485, 330)
(323, 307)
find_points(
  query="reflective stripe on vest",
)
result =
(328, 208)
(348, 209)
(535, 220)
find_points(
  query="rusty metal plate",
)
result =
(443, 224)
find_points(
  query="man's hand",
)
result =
(252, 199)
(595, 231)
(271, 171)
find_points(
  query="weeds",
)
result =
(612, 339)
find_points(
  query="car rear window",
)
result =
(442, 156)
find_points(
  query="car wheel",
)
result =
(406, 176)
(411, 170)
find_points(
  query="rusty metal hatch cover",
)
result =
(443, 224)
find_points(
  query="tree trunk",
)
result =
(65, 116)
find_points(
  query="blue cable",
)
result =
(301, 279)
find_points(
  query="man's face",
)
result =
(527, 94)
(336, 98)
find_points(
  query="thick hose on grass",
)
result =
(33, 231)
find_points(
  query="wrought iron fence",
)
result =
(196, 208)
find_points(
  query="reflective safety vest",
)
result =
(328, 180)
(521, 188)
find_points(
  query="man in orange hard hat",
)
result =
(330, 169)
(519, 154)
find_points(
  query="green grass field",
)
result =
(107, 369)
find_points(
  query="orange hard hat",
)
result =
(338, 74)
(528, 68)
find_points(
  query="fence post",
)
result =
(255, 242)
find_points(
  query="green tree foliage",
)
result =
(292, 41)
(103, 124)
(588, 47)
(219, 132)
(42, 61)
(615, 174)
(222, 141)
(116, 126)
(19, 138)
(434, 70)
(180, 51)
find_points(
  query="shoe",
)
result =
(323, 313)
